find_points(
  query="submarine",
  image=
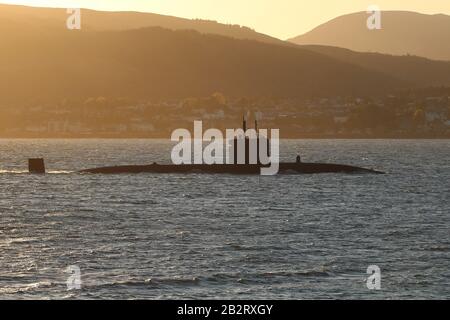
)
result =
(236, 169)
(246, 168)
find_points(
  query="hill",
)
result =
(55, 18)
(402, 33)
(421, 71)
(159, 63)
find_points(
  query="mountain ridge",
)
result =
(403, 32)
(94, 20)
(169, 63)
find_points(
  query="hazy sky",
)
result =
(279, 18)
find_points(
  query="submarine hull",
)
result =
(239, 169)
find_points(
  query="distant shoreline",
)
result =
(303, 137)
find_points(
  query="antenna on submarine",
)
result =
(257, 117)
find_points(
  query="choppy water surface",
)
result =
(211, 236)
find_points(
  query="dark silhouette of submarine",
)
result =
(296, 167)
(36, 166)
(242, 169)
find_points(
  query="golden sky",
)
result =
(279, 18)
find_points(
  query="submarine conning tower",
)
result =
(250, 141)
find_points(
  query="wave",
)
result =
(13, 171)
(26, 172)
(14, 289)
(151, 282)
(438, 249)
(261, 276)
(301, 273)
(11, 241)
